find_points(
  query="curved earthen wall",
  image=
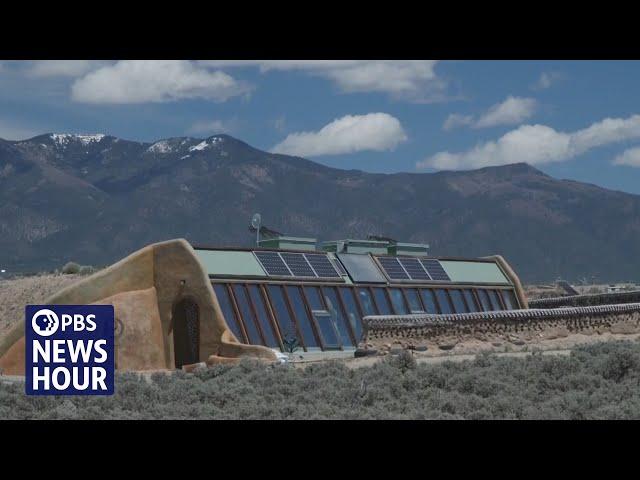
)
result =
(143, 288)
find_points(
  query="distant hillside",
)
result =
(95, 198)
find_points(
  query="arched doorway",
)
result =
(186, 332)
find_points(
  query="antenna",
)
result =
(256, 222)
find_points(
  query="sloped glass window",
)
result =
(381, 301)
(484, 300)
(350, 305)
(366, 301)
(428, 300)
(280, 310)
(397, 300)
(509, 299)
(313, 296)
(443, 301)
(471, 301)
(227, 309)
(458, 301)
(301, 314)
(414, 301)
(495, 301)
(322, 317)
(263, 317)
(247, 315)
(335, 309)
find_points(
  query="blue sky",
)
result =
(578, 120)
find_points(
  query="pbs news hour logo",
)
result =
(69, 349)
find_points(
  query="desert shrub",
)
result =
(403, 361)
(595, 382)
(86, 270)
(71, 268)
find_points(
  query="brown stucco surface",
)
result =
(513, 278)
(161, 274)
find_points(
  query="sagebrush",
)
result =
(600, 381)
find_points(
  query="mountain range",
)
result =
(95, 198)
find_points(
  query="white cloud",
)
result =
(60, 68)
(546, 80)
(630, 157)
(537, 144)
(414, 80)
(456, 120)
(212, 127)
(140, 81)
(511, 111)
(351, 133)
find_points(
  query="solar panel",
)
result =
(339, 267)
(414, 268)
(393, 268)
(273, 264)
(435, 270)
(297, 264)
(322, 266)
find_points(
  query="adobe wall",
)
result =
(143, 288)
(513, 278)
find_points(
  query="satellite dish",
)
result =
(256, 220)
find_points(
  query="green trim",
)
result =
(227, 262)
(474, 272)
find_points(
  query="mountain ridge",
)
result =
(95, 198)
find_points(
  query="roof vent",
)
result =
(376, 245)
(284, 242)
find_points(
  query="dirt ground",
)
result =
(18, 292)
(467, 350)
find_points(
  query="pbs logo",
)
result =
(45, 322)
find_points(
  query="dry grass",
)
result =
(16, 293)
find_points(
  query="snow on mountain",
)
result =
(209, 142)
(63, 139)
(160, 147)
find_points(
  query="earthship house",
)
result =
(177, 305)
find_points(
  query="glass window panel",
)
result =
(352, 310)
(327, 329)
(280, 310)
(381, 301)
(397, 301)
(366, 301)
(428, 300)
(313, 296)
(333, 305)
(495, 301)
(323, 320)
(458, 301)
(443, 301)
(227, 309)
(302, 316)
(484, 300)
(509, 299)
(414, 302)
(247, 315)
(471, 301)
(263, 316)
